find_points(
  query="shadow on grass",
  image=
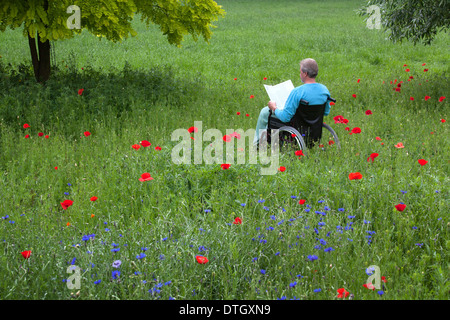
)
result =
(106, 95)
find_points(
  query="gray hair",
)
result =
(310, 67)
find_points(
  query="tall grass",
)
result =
(144, 89)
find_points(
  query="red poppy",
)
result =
(265, 78)
(397, 89)
(66, 203)
(26, 125)
(347, 129)
(372, 156)
(93, 198)
(56, 168)
(407, 70)
(355, 176)
(354, 95)
(87, 133)
(378, 138)
(368, 112)
(369, 286)
(423, 64)
(226, 138)
(299, 153)
(237, 220)
(247, 115)
(282, 169)
(201, 259)
(342, 293)
(399, 85)
(26, 254)
(399, 145)
(27, 136)
(293, 135)
(441, 99)
(411, 98)
(238, 113)
(193, 129)
(252, 96)
(405, 65)
(443, 120)
(425, 70)
(422, 162)
(302, 201)
(80, 92)
(40, 134)
(331, 142)
(145, 177)
(345, 121)
(383, 278)
(356, 130)
(158, 148)
(225, 166)
(136, 146)
(358, 80)
(400, 207)
(427, 97)
(332, 103)
(46, 136)
(145, 143)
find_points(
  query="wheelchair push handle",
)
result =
(304, 102)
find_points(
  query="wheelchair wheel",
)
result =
(333, 133)
(292, 137)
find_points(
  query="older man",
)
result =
(311, 91)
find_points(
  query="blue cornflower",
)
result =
(317, 290)
(263, 271)
(73, 261)
(273, 217)
(141, 256)
(66, 193)
(97, 281)
(261, 201)
(328, 249)
(164, 239)
(263, 241)
(381, 292)
(414, 228)
(5, 217)
(243, 204)
(312, 257)
(266, 208)
(280, 222)
(341, 209)
(318, 247)
(144, 249)
(106, 229)
(207, 210)
(366, 222)
(351, 217)
(115, 250)
(69, 184)
(307, 210)
(115, 274)
(294, 197)
(161, 257)
(167, 283)
(322, 242)
(320, 201)
(419, 245)
(370, 271)
(403, 191)
(293, 284)
(254, 259)
(85, 238)
(11, 221)
(326, 208)
(270, 228)
(277, 253)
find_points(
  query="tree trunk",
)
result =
(40, 56)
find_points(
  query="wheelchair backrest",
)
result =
(308, 120)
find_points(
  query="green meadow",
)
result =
(142, 239)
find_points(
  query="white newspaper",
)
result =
(279, 92)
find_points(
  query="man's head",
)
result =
(308, 69)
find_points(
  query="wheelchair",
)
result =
(305, 128)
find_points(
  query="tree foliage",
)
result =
(416, 20)
(47, 20)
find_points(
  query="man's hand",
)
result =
(272, 105)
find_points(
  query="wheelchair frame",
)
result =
(298, 136)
